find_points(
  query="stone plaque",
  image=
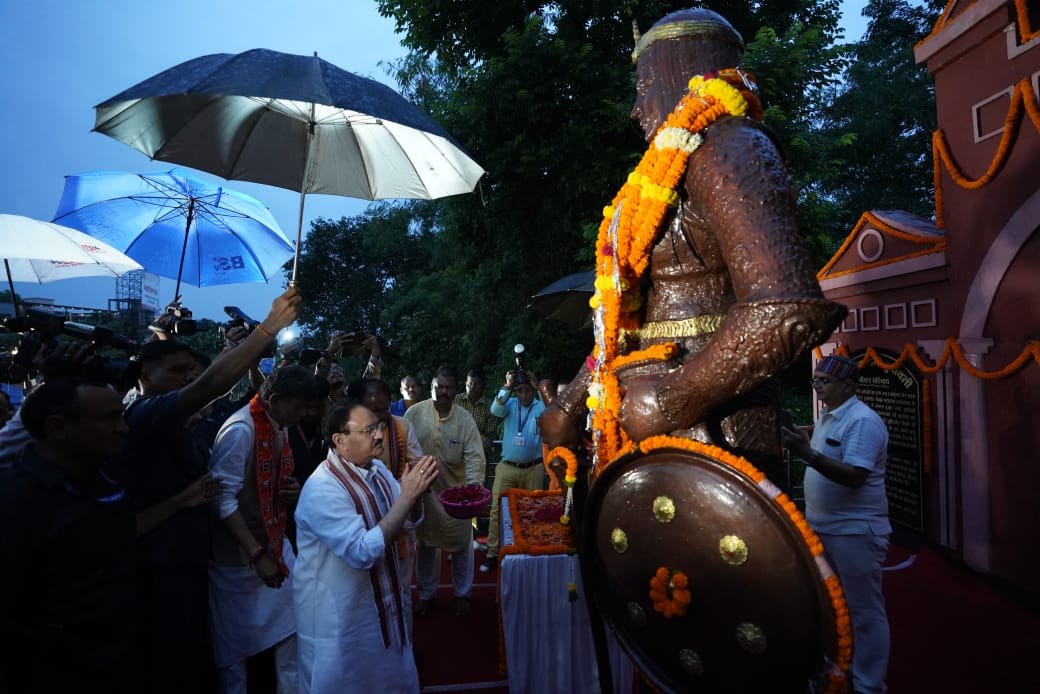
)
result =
(898, 397)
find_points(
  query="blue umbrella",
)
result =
(224, 237)
(291, 121)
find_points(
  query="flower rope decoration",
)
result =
(935, 245)
(629, 228)
(1022, 98)
(570, 477)
(669, 592)
(953, 350)
(842, 621)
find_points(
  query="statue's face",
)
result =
(648, 109)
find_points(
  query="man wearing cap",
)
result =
(521, 466)
(846, 504)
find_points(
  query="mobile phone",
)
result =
(787, 420)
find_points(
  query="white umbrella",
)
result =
(35, 251)
(296, 122)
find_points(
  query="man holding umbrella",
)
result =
(160, 459)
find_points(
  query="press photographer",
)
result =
(174, 320)
(349, 344)
(521, 465)
(38, 340)
(159, 459)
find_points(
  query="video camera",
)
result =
(38, 329)
(296, 350)
(175, 319)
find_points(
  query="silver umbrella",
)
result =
(296, 122)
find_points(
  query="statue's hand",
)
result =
(641, 414)
(558, 429)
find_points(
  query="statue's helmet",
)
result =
(697, 23)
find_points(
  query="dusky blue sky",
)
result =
(62, 57)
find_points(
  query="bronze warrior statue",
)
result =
(729, 279)
(705, 293)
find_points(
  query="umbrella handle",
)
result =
(299, 235)
(10, 283)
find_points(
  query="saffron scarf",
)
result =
(386, 584)
(269, 474)
(396, 453)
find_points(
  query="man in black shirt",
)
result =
(67, 610)
(160, 459)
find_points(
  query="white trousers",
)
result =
(232, 679)
(428, 571)
(858, 560)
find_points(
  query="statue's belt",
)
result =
(687, 327)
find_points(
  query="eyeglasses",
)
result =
(369, 430)
(825, 381)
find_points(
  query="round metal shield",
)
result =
(758, 618)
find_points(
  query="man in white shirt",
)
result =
(846, 504)
(348, 594)
(250, 605)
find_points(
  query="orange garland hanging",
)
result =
(943, 157)
(627, 233)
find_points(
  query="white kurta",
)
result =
(246, 616)
(337, 622)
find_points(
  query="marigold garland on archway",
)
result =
(943, 157)
(952, 350)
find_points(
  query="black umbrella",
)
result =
(291, 121)
(567, 299)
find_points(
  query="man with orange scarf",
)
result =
(250, 607)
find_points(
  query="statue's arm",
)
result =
(738, 184)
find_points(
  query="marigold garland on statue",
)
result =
(629, 228)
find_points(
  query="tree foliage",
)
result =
(887, 103)
(540, 94)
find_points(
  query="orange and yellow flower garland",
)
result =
(629, 228)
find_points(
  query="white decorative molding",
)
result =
(899, 267)
(994, 266)
(976, 125)
(974, 457)
(895, 316)
(974, 13)
(945, 446)
(851, 322)
(917, 319)
(870, 319)
(1014, 48)
(870, 234)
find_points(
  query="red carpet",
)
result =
(460, 653)
(952, 632)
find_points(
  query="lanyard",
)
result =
(523, 419)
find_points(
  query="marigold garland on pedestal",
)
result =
(627, 233)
